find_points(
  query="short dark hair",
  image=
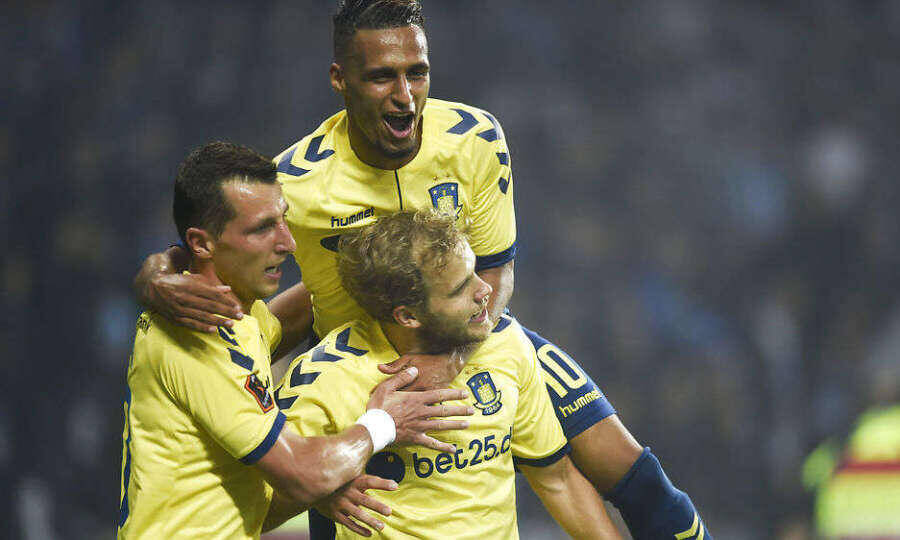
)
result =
(353, 15)
(199, 199)
(381, 264)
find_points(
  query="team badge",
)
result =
(486, 394)
(445, 198)
(260, 391)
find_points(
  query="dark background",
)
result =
(705, 197)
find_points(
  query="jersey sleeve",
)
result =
(538, 439)
(492, 231)
(577, 401)
(227, 399)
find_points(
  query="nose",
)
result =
(402, 94)
(484, 291)
(284, 242)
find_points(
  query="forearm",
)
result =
(502, 280)
(168, 262)
(571, 500)
(305, 469)
(293, 308)
(280, 510)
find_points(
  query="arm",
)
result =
(293, 309)
(186, 299)
(304, 470)
(571, 500)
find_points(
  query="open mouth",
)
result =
(399, 125)
(273, 271)
(479, 317)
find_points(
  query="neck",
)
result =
(207, 270)
(404, 340)
(372, 156)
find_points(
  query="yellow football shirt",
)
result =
(469, 494)
(198, 412)
(462, 168)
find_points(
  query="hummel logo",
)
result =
(350, 220)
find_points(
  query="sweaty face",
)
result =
(255, 242)
(456, 311)
(385, 83)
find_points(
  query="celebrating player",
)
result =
(414, 274)
(391, 149)
(199, 411)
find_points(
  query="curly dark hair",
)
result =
(199, 199)
(381, 264)
(353, 15)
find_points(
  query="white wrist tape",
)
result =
(381, 428)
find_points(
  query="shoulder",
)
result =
(170, 350)
(346, 354)
(299, 161)
(450, 118)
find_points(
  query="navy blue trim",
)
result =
(126, 473)
(399, 193)
(468, 122)
(266, 443)
(312, 151)
(284, 403)
(242, 360)
(285, 166)
(299, 379)
(226, 335)
(544, 461)
(501, 326)
(341, 344)
(497, 259)
(319, 355)
(503, 157)
(503, 184)
(331, 242)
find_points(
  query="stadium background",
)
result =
(705, 197)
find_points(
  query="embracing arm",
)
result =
(184, 298)
(571, 500)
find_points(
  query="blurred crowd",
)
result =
(706, 211)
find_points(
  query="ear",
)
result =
(405, 317)
(336, 76)
(200, 243)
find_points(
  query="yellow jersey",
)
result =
(462, 168)
(469, 494)
(198, 412)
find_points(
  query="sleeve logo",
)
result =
(259, 391)
(487, 396)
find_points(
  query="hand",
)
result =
(190, 301)
(435, 370)
(345, 506)
(414, 413)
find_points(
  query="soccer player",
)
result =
(202, 433)
(394, 148)
(414, 275)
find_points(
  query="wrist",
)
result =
(381, 427)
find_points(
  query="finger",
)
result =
(195, 325)
(394, 367)
(399, 380)
(201, 317)
(364, 517)
(444, 394)
(368, 481)
(442, 410)
(434, 444)
(437, 425)
(213, 306)
(372, 504)
(352, 525)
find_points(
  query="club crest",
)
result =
(445, 198)
(486, 394)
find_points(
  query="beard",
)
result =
(442, 334)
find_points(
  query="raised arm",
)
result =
(571, 500)
(184, 298)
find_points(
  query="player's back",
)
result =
(179, 480)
